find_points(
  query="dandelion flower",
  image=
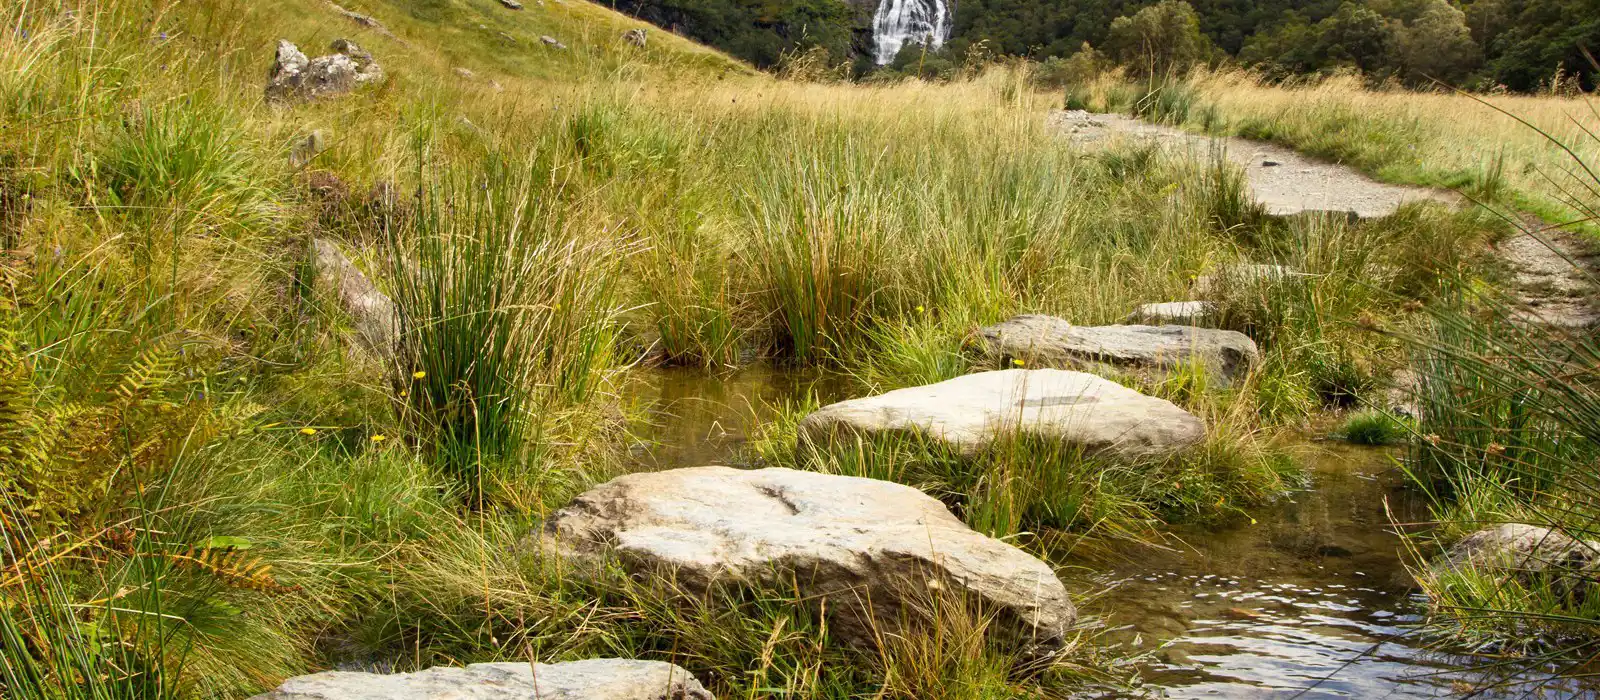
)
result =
(419, 374)
(1018, 362)
(920, 309)
(308, 431)
(404, 393)
(379, 438)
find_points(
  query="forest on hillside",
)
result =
(1518, 45)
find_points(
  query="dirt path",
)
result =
(1285, 182)
(1552, 290)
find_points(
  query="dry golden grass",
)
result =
(1435, 138)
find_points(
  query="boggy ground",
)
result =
(211, 485)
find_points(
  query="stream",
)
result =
(1311, 601)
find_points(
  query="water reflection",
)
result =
(1311, 602)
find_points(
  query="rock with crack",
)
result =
(511, 4)
(1176, 313)
(372, 311)
(552, 42)
(592, 679)
(1047, 341)
(871, 552)
(297, 78)
(1075, 409)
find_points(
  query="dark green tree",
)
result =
(1158, 40)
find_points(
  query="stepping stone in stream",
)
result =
(969, 412)
(870, 550)
(1047, 341)
(591, 679)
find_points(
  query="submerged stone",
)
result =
(871, 551)
(1074, 409)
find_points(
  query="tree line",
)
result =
(1517, 45)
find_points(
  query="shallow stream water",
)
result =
(1311, 601)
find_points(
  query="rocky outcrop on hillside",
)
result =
(295, 78)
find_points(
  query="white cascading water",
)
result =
(901, 21)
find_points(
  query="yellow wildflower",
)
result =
(920, 309)
(1018, 362)
(379, 438)
(308, 431)
(419, 374)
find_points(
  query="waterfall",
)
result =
(900, 21)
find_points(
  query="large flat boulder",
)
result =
(871, 549)
(969, 412)
(592, 679)
(1047, 341)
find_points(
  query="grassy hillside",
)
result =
(211, 485)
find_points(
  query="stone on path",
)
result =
(295, 77)
(852, 541)
(1177, 313)
(1077, 409)
(592, 679)
(1047, 341)
(373, 312)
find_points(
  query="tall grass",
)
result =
(503, 310)
(1510, 432)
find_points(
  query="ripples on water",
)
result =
(1311, 602)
